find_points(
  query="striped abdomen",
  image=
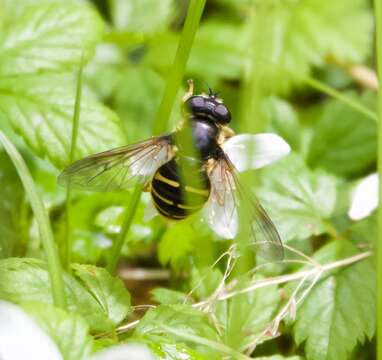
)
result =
(169, 194)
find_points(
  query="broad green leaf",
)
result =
(48, 35)
(344, 142)
(291, 37)
(131, 350)
(27, 280)
(69, 331)
(278, 357)
(40, 109)
(182, 317)
(109, 291)
(340, 310)
(142, 16)
(298, 200)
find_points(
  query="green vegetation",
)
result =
(81, 77)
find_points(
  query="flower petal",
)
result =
(22, 338)
(364, 198)
(264, 149)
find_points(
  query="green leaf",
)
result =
(69, 331)
(176, 244)
(110, 292)
(143, 16)
(40, 109)
(182, 317)
(167, 349)
(48, 35)
(298, 200)
(248, 315)
(26, 280)
(289, 38)
(167, 296)
(278, 357)
(344, 142)
(340, 310)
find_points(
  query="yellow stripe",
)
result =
(161, 197)
(191, 189)
(189, 207)
(160, 177)
(166, 214)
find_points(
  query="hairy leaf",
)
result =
(298, 199)
(340, 310)
(108, 291)
(48, 35)
(26, 280)
(40, 109)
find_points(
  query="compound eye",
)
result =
(195, 103)
(222, 114)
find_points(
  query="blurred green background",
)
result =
(300, 68)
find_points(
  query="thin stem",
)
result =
(51, 253)
(378, 16)
(191, 25)
(174, 79)
(67, 246)
(129, 216)
(320, 86)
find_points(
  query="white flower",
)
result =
(22, 338)
(124, 352)
(246, 152)
(364, 198)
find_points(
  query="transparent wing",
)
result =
(120, 168)
(231, 208)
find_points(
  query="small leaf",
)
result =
(48, 35)
(298, 199)
(69, 331)
(107, 290)
(340, 310)
(167, 296)
(40, 109)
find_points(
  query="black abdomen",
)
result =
(169, 194)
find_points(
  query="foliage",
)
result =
(199, 300)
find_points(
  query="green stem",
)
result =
(175, 77)
(191, 25)
(129, 216)
(320, 86)
(51, 253)
(67, 246)
(378, 16)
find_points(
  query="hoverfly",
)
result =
(155, 162)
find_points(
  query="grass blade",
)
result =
(67, 245)
(51, 253)
(378, 16)
(174, 80)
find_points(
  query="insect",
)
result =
(156, 163)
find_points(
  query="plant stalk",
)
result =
(378, 17)
(50, 249)
(67, 245)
